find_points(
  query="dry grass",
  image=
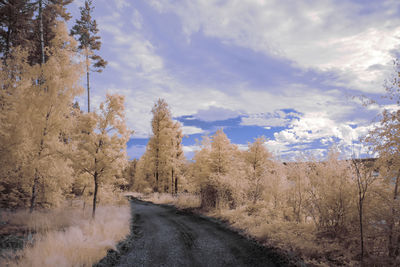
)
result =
(159, 198)
(42, 221)
(298, 238)
(186, 200)
(68, 237)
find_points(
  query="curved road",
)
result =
(164, 236)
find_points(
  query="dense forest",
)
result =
(341, 209)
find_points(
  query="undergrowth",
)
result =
(67, 236)
(181, 200)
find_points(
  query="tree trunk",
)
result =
(361, 230)
(156, 174)
(87, 81)
(172, 181)
(157, 166)
(176, 185)
(391, 248)
(34, 191)
(95, 194)
(83, 197)
(41, 31)
(36, 175)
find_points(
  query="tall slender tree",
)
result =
(364, 176)
(161, 165)
(159, 143)
(86, 30)
(177, 156)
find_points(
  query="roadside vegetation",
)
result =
(65, 236)
(332, 211)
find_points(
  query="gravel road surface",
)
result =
(162, 235)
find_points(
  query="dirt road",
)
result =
(164, 236)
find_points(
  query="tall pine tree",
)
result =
(86, 30)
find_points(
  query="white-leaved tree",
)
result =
(259, 164)
(331, 194)
(39, 106)
(162, 162)
(101, 143)
(215, 170)
(177, 160)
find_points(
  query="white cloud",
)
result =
(189, 151)
(188, 130)
(214, 113)
(325, 35)
(267, 120)
(137, 19)
(78, 3)
(318, 126)
(121, 4)
(130, 48)
(242, 147)
(277, 147)
(310, 127)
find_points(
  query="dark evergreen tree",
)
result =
(15, 24)
(49, 11)
(86, 30)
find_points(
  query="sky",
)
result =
(292, 71)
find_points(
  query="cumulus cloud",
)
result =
(315, 126)
(188, 130)
(304, 132)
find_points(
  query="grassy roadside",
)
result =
(61, 237)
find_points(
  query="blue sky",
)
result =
(288, 70)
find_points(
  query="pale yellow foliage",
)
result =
(37, 119)
(101, 143)
(160, 169)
